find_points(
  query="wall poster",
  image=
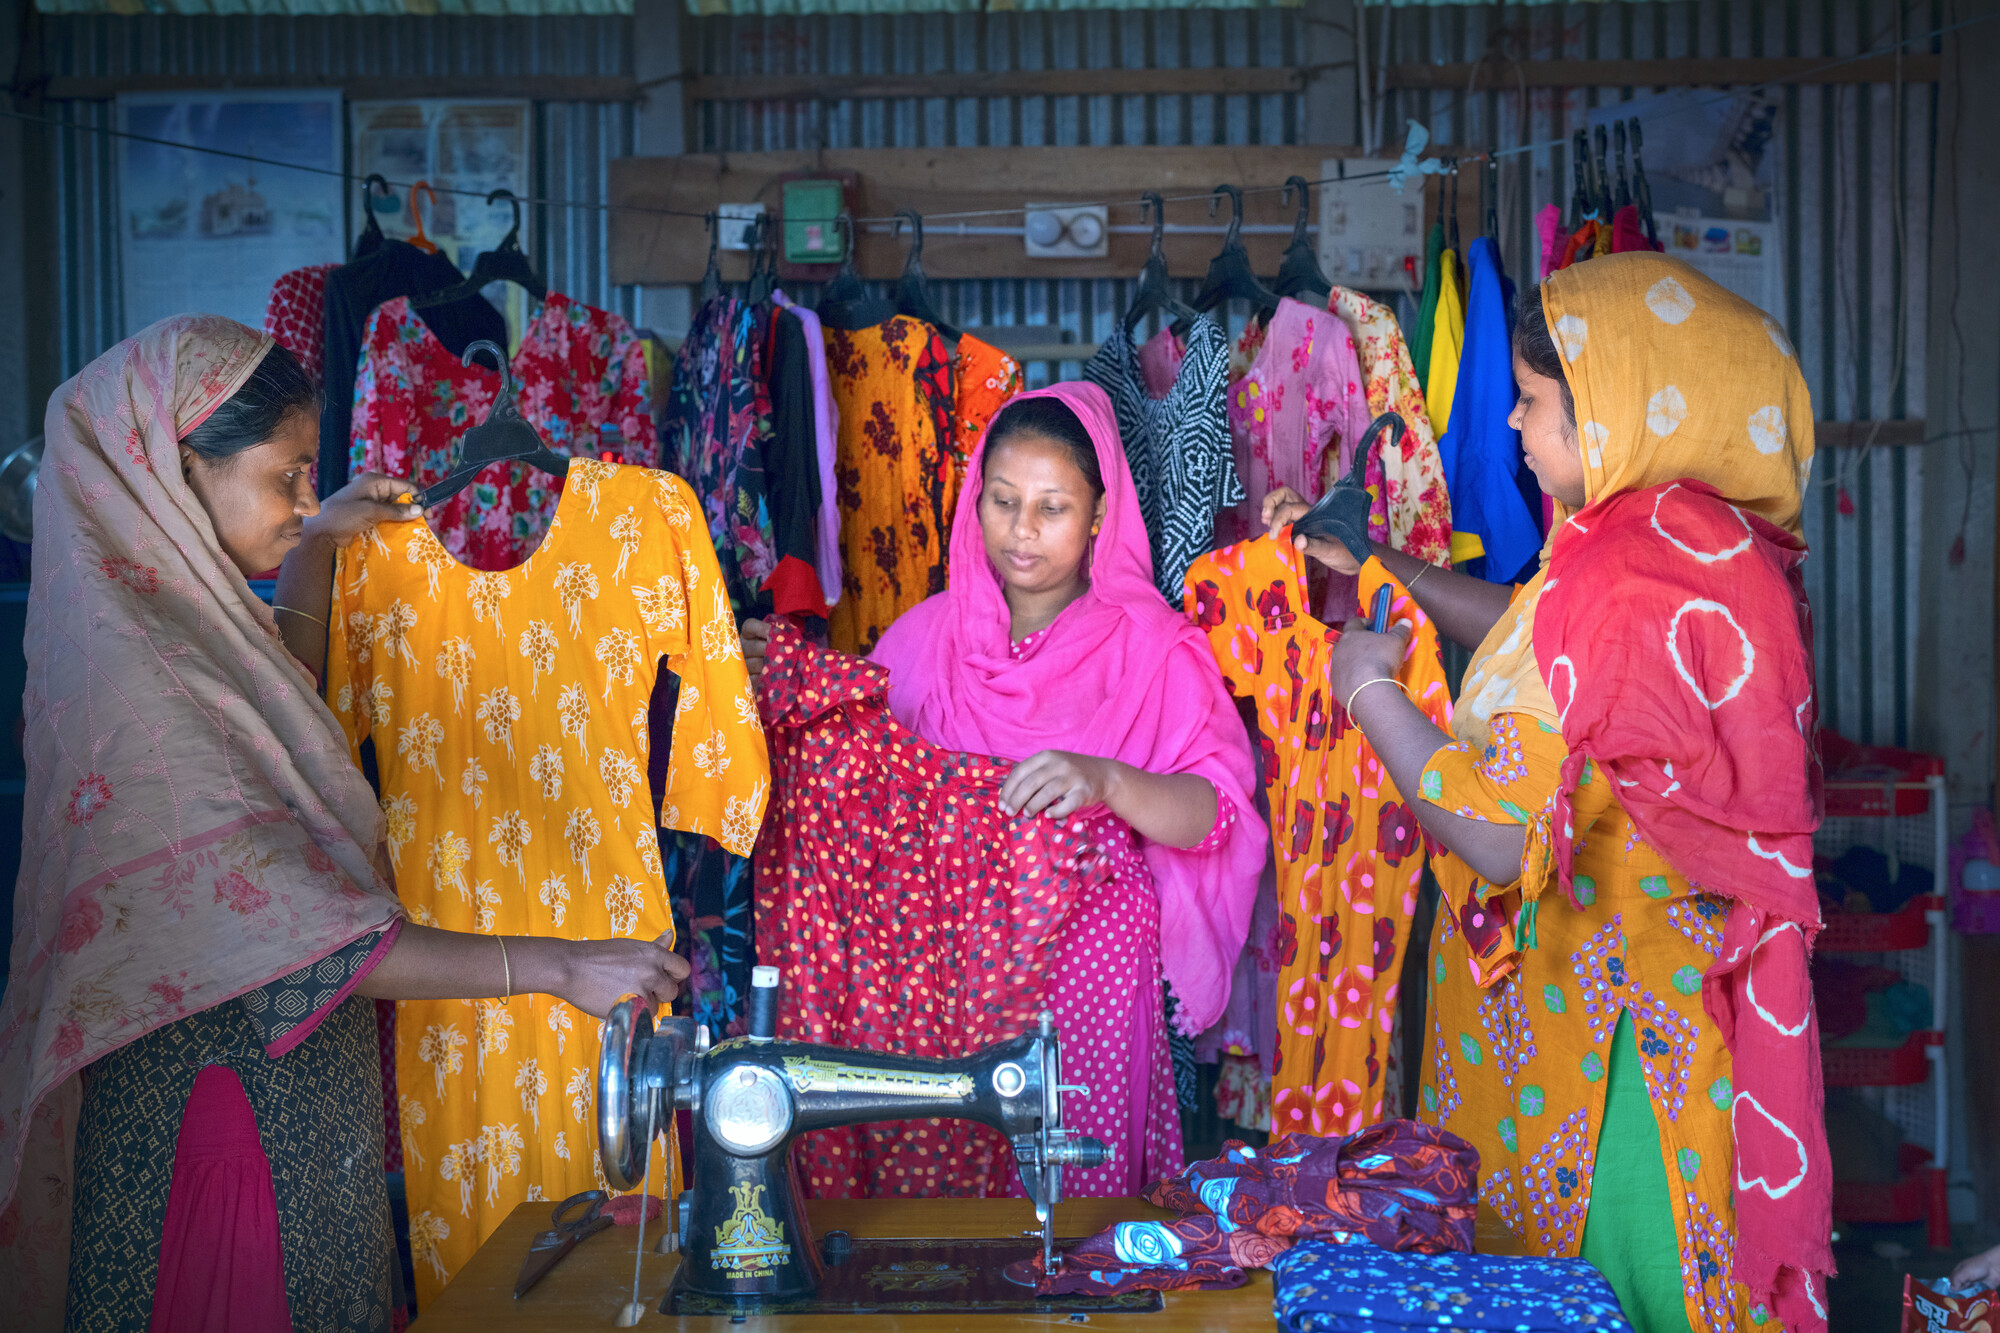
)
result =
(198, 232)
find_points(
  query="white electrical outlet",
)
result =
(1067, 231)
(1367, 231)
(738, 225)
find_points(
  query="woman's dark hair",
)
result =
(1535, 345)
(278, 387)
(1052, 419)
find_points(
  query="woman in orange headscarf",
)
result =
(1620, 1016)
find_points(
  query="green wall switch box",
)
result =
(810, 210)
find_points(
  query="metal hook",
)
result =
(1235, 193)
(1305, 206)
(1153, 207)
(916, 233)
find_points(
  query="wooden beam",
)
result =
(360, 88)
(1875, 434)
(654, 247)
(993, 83)
(1501, 76)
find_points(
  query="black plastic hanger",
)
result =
(1489, 176)
(1604, 205)
(711, 277)
(1453, 224)
(504, 437)
(371, 237)
(1155, 290)
(1642, 189)
(1342, 513)
(846, 304)
(764, 267)
(913, 293)
(506, 263)
(1229, 275)
(1624, 188)
(1300, 272)
(1585, 187)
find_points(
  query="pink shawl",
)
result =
(194, 827)
(1118, 675)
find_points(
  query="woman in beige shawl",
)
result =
(190, 1096)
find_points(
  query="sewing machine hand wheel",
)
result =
(1342, 513)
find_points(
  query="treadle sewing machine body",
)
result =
(745, 1242)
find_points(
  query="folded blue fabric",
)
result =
(1363, 1288)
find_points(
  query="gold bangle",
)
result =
(505, 964)
(1376, 680)
(1420, 573)
(295, 611)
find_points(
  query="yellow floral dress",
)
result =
(1569, 1043)
(508, 712)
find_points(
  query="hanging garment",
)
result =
(1416, 500)
(1483, 463)
(1628, 233)
(927, 926)
(1397, 1184)
(1349, 851)
(353, 291)
(578, 372)
(738, 429)
(161, 893)
(1425, 333)
(1160, 358)
(509, 813)
(1548, 229)
(983, 378)
(295, 315)
(1733, 1082)
(1447, 343)
(1326, 1288)
(826, 434)
(1178, 446)
(1581, 245)
(1296, 413)
(892, 384)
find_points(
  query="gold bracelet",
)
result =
(295, 611)
(1420, 573)
(1376, 680)
(504, 963)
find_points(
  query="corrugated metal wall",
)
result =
(574, 142)
(1854, 192)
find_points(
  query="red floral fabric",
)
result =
(1398, 1184)
(295, 315)
(578, 371)
(907, 911)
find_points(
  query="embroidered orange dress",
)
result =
(1349, 851)
(509, 715)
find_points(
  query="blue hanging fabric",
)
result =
(1493, 494)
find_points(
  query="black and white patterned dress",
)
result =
(1178, 446)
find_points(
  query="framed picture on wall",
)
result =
(202, 231)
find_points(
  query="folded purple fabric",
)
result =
(1400, 1185)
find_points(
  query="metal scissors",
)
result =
(549, 1247)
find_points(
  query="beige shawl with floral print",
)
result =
(194, 827)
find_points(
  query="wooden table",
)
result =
(588, 1289)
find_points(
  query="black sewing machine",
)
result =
(744, 1241)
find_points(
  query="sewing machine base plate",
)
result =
(914, 1276)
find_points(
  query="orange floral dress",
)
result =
(983, 379)
(513, 812)
(1538, 1008)
(1349, 851)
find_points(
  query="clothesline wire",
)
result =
(593, 206)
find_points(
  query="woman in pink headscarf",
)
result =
(1052, 649)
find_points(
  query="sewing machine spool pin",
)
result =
(745, 1241)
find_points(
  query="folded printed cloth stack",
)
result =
(1322, 1288)
(1398, 1185)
